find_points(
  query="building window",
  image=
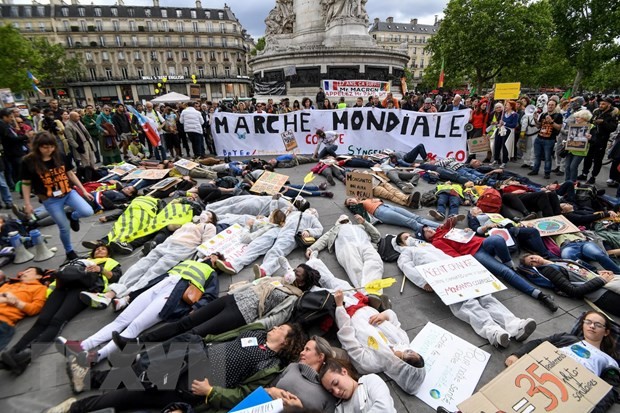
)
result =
(29, 27)
(137, 56)
(132, 26)
(224, 42)
(212, 56)
(114, 11)
(164, 13)
(119, 41)
(14, 11)
(208, 14)
(214, 71)
(98, 11)
(108, 73)
(42, 27)
(116, 26)
(209, 27)
(153, 55)
(151, 41)
(167, 41)
(140, 71)
(66, 25)
(93, 73)
(180, 26)
(197, 41)
(149, 26)
(201, 71)
(164, 25)
(184, 54)
(222, 27)
(199, 54)
(124, 73)
(16, 25)
(227, 71)
(186, 71)
(134, 41)
(41, 10)
(192, 14)
(147, 12)
(65, 11)
(156, 70)
(195, 27)
(27, 11)
(105, 56)
(121, 55)
(220, 15)
(169, 55)
(102, 40)
(211, 43)
(69, 41)
(99, 25)
(182, 41)
(172, 71)
(225, 56)
(239, 72)
(83, 26)
(130, 12)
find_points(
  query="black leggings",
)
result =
(547, 203)
(610, 302)
(61, 306)
(217, 317)
(128, 400)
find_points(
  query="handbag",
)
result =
(192, 294)
(314, 305)
(300, 240)
(76, 274)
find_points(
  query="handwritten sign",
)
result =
(186, 164)
(453, 367)
(269, 183)
(123, 169)
(459, 279)
(359, 185)
(152, 174)
(481, 144)
(550, 226)
(507, 91)
(547, 380)
(288, 138)
(165, 183)
(227, 242)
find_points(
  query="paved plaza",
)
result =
(45, 382)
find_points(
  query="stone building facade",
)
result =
(127, 51)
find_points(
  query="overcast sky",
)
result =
(252, 13)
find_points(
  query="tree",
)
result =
(481, 38)
(54, 69)
(260, 46)
(17, 57)
(587, 31)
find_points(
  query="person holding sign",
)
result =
(504, 135)
(593, 346)
(488, 317)
(575, 135)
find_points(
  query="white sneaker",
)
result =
(500, 339)
(284, 264)
(502, 166)
(526, 328)
(408, 188)
(64, 407)
(120, 303)
(493, 164)
(95, 300)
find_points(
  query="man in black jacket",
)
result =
(605, 122)
(122, 124)
(8, 138)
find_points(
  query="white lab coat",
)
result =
(486, 315)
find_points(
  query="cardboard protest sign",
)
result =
(547, 379)
(507, 91)
(165, 183)
(550, 226)
(123, 169)
(288, 138)
(269, 183)
(186, 164)
(154, 174)
(481, 144)
(458, 279)
(227, 242)
(577, 139)
(453, 367)
(359, 185)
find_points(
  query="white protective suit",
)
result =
(249, 204)
(371, 396)
(370, 346)
(355, 250)
(528, 125)
(486, 315)
(178, 247)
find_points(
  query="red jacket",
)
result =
(453, 248)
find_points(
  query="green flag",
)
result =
(568, 93)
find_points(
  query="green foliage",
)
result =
(605, 78)
(17, 56)
(260, 46)
(55, 68)
(481, 38)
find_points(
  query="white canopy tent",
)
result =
(172, 97)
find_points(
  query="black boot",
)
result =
(16, 361)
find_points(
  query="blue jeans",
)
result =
(446, 200)
(530, 239)
(6, 334)
(470, 174)
(328, 150)
(4, 190)
(496, 246)
(198, 143)
(160, 153)
(312, 189)
(56, 208)
(411, 156)
(571, 166)
(543, 148)
(393, 215)
(588, 251)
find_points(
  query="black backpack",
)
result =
(585, 195)
(314, 306)
(386, 249)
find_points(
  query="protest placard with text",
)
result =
(269, 183)
(359, 185)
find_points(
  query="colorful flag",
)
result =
(567, 94)
(148, 126)
(36, 89)
(441, 74)
(31, 77)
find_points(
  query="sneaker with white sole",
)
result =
(284, 264)
(258, 272)
(526, 328)
(500, 339)
(64, 407)
(225, 267)
(437, 216)
(120, 303)
(77, 374)
(95, 300)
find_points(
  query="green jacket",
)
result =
(222, 399)
(91, 125)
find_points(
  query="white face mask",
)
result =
(289, 277)
(412, 241)
(313, 211)
(205, 217)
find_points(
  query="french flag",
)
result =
(148, 126)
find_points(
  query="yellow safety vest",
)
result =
(138, 216)
(193, 271)
(108, 264)
(453, 187)
(173, 214)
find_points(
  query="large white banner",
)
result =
(355, 88)
(459, 279)
(453, 367)
(363, 131)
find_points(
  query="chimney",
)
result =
(414, 21)
(198, 4)
(155, 3)
(377, 20)
(436, 21)
(390, 20)
(74, 2)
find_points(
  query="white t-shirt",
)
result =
(589, 356)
